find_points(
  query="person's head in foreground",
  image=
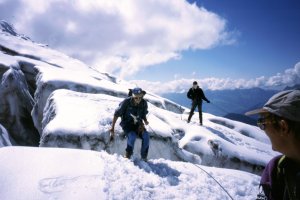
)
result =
(280, 119)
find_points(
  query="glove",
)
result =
(112, 134)
(140, 129)
(208, 101)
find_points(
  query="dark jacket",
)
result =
(280, 176)
(196, 94)
(131, 115)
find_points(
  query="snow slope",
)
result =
(70, 174)
(4, 137)
(220, 142)
(71, 106)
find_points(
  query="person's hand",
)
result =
(208, 101)
(112, 134)
(146, 122)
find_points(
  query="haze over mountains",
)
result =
(229, 103)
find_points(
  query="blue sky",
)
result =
(267, 42)
(163, 46)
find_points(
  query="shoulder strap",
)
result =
(286, 174)
(280, 166)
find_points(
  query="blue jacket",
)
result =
(131, 115)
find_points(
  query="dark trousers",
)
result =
(194, 105)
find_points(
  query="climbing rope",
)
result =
(203, 171)
(215, 181)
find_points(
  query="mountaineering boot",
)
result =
(128, 152)
(189, 118)
(144, 159)
(200, 118)
(144, 151)
(127, 155)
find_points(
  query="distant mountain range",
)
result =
(242, 118)
(295, 87)
(231, 104)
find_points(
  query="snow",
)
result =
(63, 127)
(72, 112)
(52, 173)
(4, 137)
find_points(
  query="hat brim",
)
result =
(256, 111)
(138, 95)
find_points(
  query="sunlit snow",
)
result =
(69, 107)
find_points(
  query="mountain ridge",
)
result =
(223, 102)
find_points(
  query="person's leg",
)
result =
(200, 112)
(131, 136)
(192, 110)
(145, 145)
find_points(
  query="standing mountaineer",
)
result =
(196, 94)
(133, 111)
(280, 119)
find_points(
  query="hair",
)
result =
(294, 126)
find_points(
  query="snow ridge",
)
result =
(8, 28)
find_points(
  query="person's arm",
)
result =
(146, 121)
(145, 107)
(189, 94)
(112, 130)
(203, 96)
(119, 112)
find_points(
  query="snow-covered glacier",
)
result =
(51, 100)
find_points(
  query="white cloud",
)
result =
(297, 69)
(119, 36)
(290, 77)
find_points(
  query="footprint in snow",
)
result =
(58, 184)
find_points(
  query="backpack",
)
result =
(280, 180)
(129, 92)
(288, 171)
